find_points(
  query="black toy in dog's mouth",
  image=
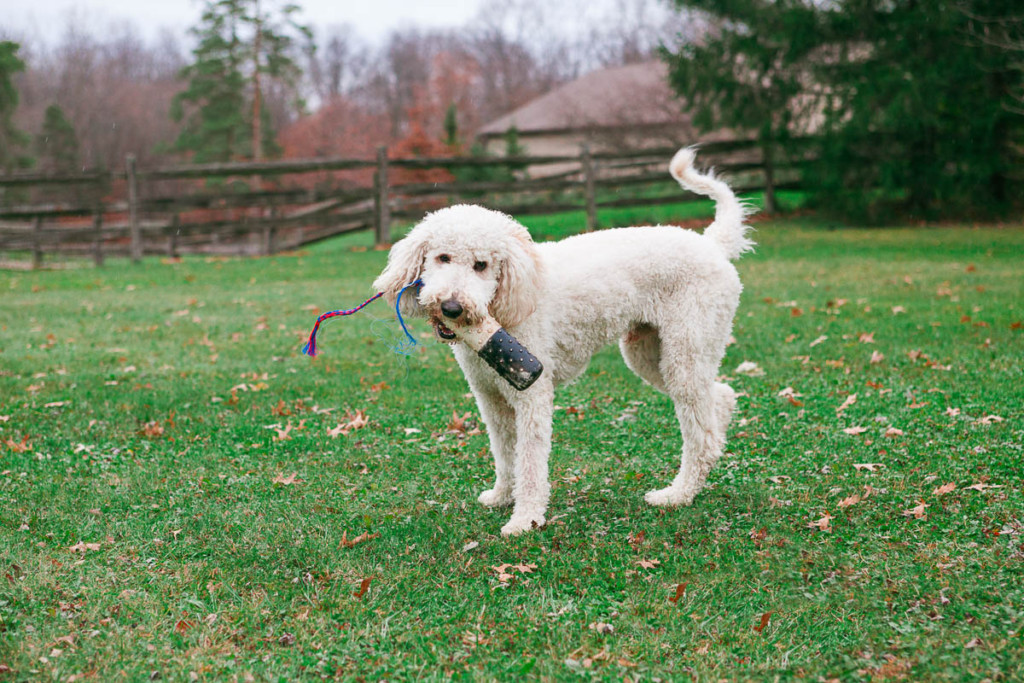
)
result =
(499, 349)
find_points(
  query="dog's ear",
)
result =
(519, 280)
(405, 265)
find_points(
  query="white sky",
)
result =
(46, 20)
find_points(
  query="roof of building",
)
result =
(632, 95)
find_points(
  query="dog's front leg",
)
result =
(531, 490)
(500, 420)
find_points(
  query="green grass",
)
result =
(136, 406)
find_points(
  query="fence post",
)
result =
(770, 203)
(37, 243)
(588, 186)
(269, 229)
(97, 243)
(172, 239)
(382, 208)
(133, 209)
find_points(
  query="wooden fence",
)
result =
(166, 210)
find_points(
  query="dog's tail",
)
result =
(728, 230)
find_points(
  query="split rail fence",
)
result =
(168, 211)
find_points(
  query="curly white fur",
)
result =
(667, 295)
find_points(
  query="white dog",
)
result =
(666, 294)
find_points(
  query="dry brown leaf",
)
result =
(362, 589)
(850, 500)
(365, 536)
(82, 547)
(183, 625)
(649, 564)
(680, 592)
(850, 400)
(765, 620)
(855, 430)
(893, 432)
(869, 466)
(22, 447)
(877, 357)
(917, 512)
(601, 627)
(286, 481)
(944, 489)
(822, 524)
(457, 423)
(866, 338)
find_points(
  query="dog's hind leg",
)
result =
(703, 408)
(500, 420)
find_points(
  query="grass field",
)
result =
(177, 500)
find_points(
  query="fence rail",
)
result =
(164, 210)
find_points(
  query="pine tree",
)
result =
(451, 126)
(239, 46)
(912, 113)
(749, 73)
(56, 145)
(11, 139)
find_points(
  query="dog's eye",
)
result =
(444, 258)
(480, 266)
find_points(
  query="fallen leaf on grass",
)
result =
(917, 512)
(850, 500)
(989, 419)
(866, 338)
(82, 547)
(362, 589)
(649, 564)
(680, 592)
(981, 486)
(601, 627)
(780, 479)
(17, 447)
(749, 368)
(893, 432)
(877, 357)
(286, 481)
(869, 466)
(944, 489)
(183, 625)
(283, 434)
(855, 430)
(365, 536)
(822, 524)
(457, 423)
(502, 570)
(819, 340)
(765, 620)
(850, 400)
(354, 422)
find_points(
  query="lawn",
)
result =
(184, 496)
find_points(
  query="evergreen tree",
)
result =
(749, 75)
(911, 112)
(56, 145)
(917, 119)
(451, 126)
(238, 47)
(11, 139)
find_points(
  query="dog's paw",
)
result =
(670, 496)
(518, 525)
(496, 498)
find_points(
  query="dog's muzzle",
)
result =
(503, 352)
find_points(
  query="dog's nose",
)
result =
(451, 309)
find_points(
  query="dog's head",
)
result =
(474, 263)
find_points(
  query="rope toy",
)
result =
(499, 349)
(309, 348)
